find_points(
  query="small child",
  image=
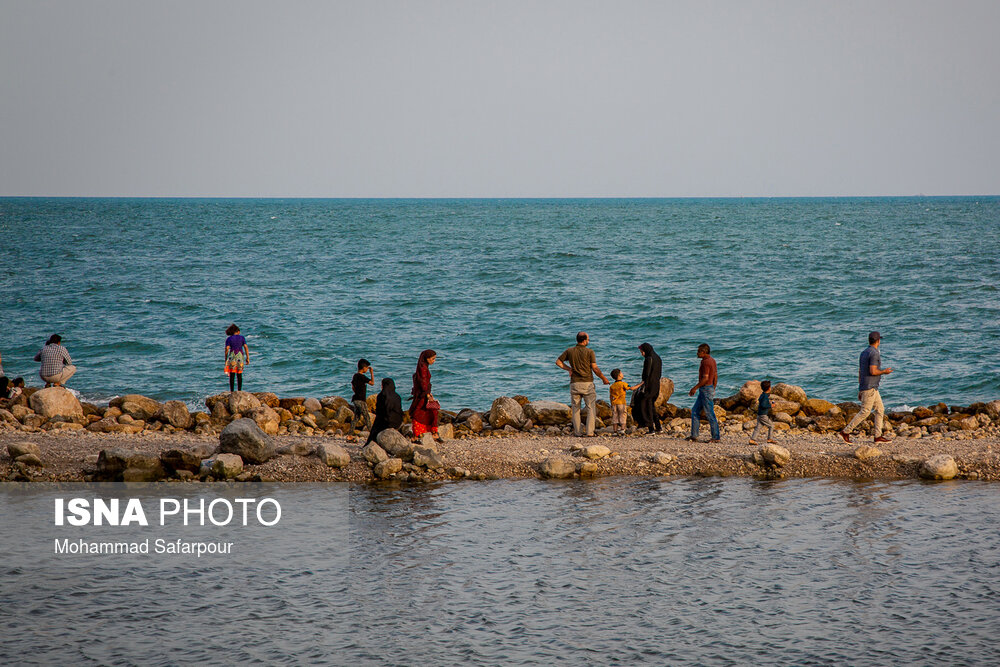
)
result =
(763, 413)
(359, 383)
(17, 388)
(237, 356)
(619, 409)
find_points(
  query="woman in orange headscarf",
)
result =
(424, 409)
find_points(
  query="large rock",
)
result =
(557, 468)
(212, 401)
(16, 449)
(395, 443)
(817, 406)
(181, 459)
(775, 455)
(548, 413)
(267, 398)
(388, 468)
(781, 405)
(336, 402)
(749, 392)
(137, 406)
(789, 392)
(373, 453)
(663, 459)
(242, 402)
(106, 425)
(245, 438)
(227, 466)
(176, 414)
(596, 451)
(830, 422)
(446, 432)
(666, 391)
(993, 409)
(333, 455)
(312, 405)
(940, 466)
(427, 458)
(123, 465)
(505, 410)
(474, 422)
(866, 452)
(266, 418)
(55, 401)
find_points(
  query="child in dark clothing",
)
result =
(763, 413)
(359, 400)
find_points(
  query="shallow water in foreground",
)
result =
(612, 571)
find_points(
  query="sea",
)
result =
(142, 291)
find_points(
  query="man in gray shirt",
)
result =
(582, 366)
(57, 367)
(870, 372)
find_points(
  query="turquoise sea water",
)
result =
(143, 289)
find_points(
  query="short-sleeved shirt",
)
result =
(709, 368)
(359, 383)
(617, 392)
(764, 404)
(870, 357)
(236, 342)
(580, 359)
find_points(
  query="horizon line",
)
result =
(505, 197)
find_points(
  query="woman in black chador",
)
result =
(388, 410)
(648, 390)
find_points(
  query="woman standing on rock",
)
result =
(237, 356)
(648, 390)
(388, 410)
(424, 409)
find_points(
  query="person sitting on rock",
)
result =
(237, 356)
(57, 366)
(388, 410)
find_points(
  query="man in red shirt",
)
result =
(708, 377)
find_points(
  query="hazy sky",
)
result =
(507, 98)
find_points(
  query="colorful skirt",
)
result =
(235, 362)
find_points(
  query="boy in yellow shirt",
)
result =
(619, 409)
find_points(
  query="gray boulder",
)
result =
(427, 458)
(55, 401)
(242, 402)
(227, 466)
(124, 465)
(174, 460)
(175, 413)
(557, 468)
(373, 453)
(395, 443)
(333, 455)
(137, 406)
(244, 438)
(940, 466)
(16, 449)
(506, 411)
(775, 455)
(548, 413)
(388, 468)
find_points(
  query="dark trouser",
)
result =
(237, 380)
(649, 414)
(361, 413)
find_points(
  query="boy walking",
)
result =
(619, 409)
(359, 401)
(764, 413)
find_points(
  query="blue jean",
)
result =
(705, 402)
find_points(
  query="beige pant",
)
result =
(870, 399)
(60, 378)
(588, 393)
(619, 414)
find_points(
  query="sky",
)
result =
(472, 98)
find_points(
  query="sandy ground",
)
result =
(72, 456)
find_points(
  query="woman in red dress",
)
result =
(424, 409)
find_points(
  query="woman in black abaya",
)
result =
(388, 410)
(648, 390)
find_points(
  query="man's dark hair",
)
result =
(54, 339)
(232, 329)
(765, 385)
(18, 381)
(705, 348)
(580, 337)
(617, 373)
(363, 363)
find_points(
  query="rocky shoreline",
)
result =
(50, 436)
